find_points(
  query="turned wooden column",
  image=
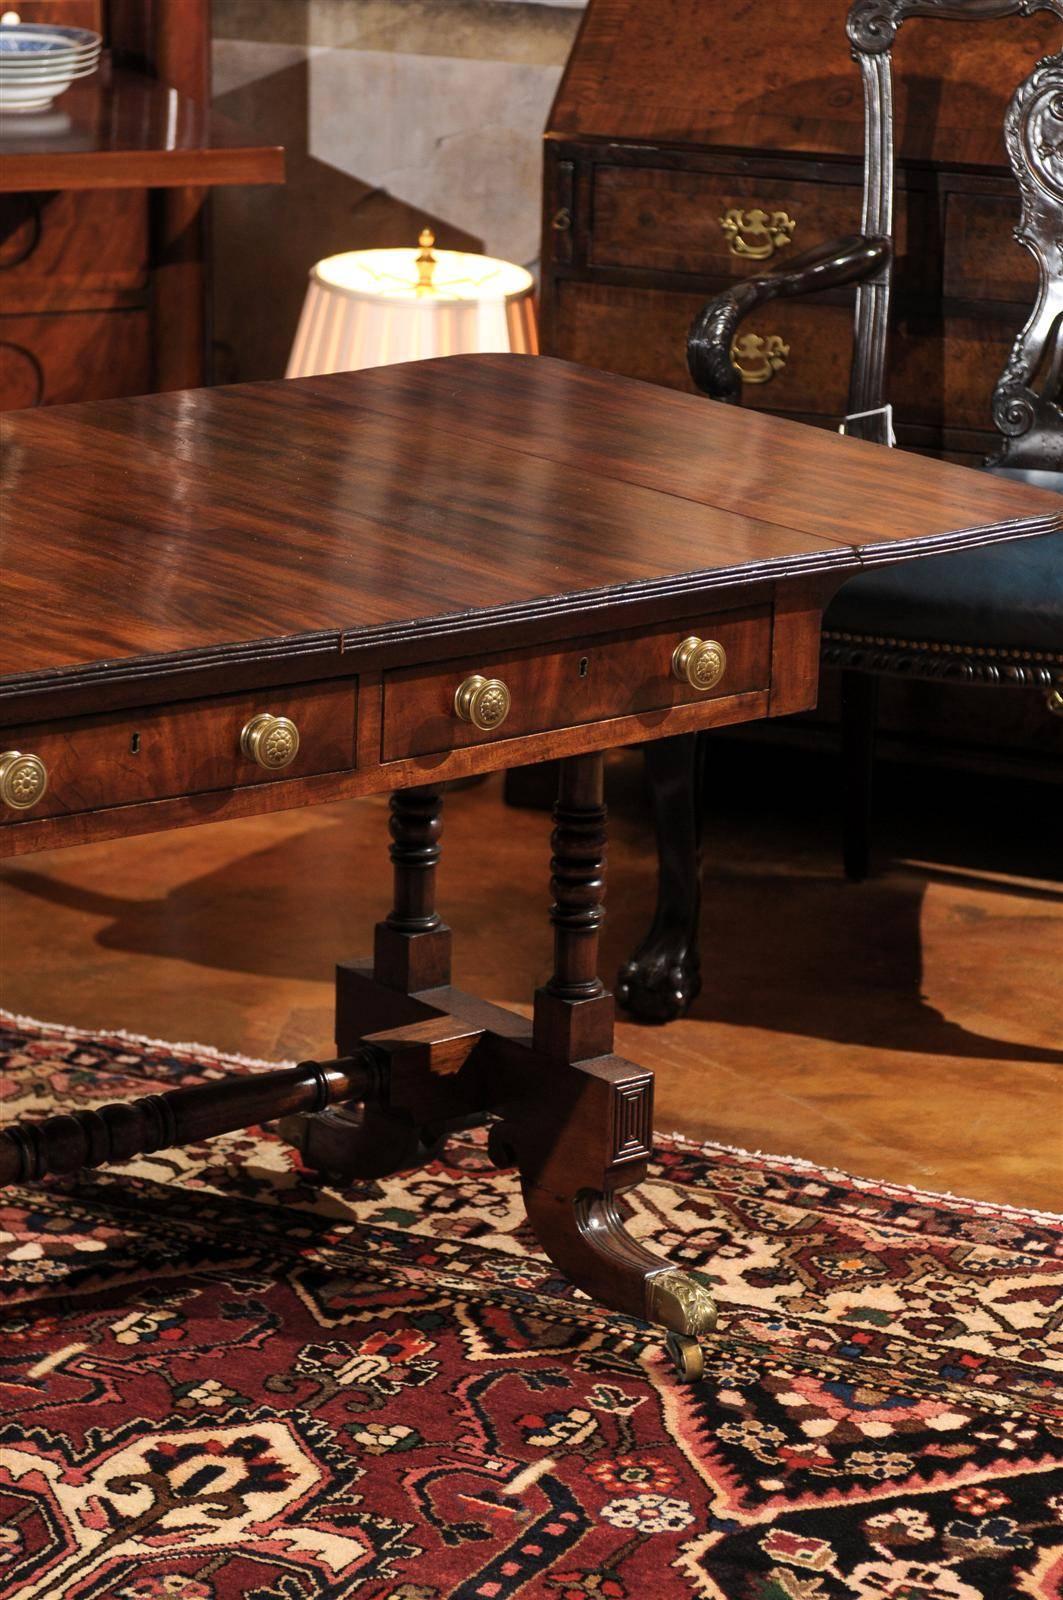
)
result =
(71, 1140)
(574, 1011)
(412, 945)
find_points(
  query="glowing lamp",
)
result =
(368, 308)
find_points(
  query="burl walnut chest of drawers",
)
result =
(691, 145)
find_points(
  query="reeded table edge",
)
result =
(413, 642)
(339, 651)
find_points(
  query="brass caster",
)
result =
(686, 1356)
(680, 1303)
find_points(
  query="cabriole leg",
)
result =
(663, 977)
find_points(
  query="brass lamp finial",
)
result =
(426, 261)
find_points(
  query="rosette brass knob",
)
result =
(482, 701)
(699, 662)
(23, 780)
(272, 742)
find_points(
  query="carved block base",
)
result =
(573, 1030)
(411, 961)
(349, 1142)
(579, 1132)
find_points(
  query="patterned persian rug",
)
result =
(222, 1381)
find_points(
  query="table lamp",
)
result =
(367, 308)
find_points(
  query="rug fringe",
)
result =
(705, 1147)
(68, 1031)
(803, 1164)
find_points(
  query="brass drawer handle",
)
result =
(759, 359)
(756, 234)
(23, 780)
(1054, 702)
(482, 701)
(699, 662)
(272, 742)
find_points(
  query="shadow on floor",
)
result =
(787, 944)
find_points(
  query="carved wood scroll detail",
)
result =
(1026, 406)
(1026, 401)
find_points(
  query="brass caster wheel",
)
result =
(686, 1356)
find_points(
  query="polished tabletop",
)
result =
(372, 510)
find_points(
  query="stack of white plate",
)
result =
(39, 60)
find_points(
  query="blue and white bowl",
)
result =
(38, 61)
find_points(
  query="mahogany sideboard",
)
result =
(232, 601)
(103, 238)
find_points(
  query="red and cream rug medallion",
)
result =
(224, 1383)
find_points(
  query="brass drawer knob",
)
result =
(484, 702)
(272, 742)
(23, 780)
(699, 662)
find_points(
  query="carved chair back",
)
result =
(1026, 400)
(1025, 403)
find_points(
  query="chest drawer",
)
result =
(588, 680)
(712, 224)
(982, 259)
(130, 757)
(794, 356)
(75, 355)
(76, 250)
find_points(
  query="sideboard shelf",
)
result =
(104, 260)
(122, 129)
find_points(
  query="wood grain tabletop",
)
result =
(391, 513)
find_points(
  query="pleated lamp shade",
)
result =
(368, 308)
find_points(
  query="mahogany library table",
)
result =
(228, 601)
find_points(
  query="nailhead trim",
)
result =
(834, 637)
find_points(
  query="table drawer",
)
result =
(587, 680)
(131, 756)
(713, 224)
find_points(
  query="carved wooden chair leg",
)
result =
(859, 716)
(411, 952)
(581, 1133)
(663, 977)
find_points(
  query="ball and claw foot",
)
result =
(659, 983)
(687, 1310)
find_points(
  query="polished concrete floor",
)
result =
(910, 1028)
